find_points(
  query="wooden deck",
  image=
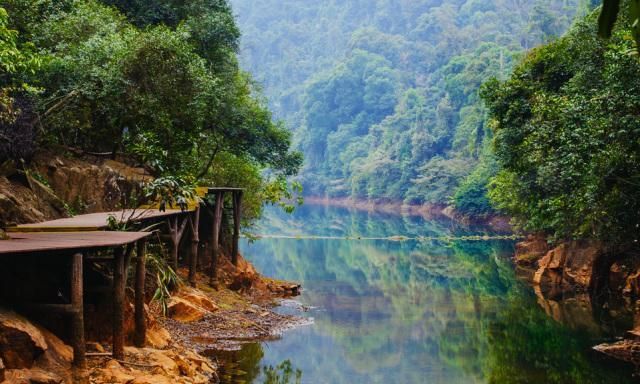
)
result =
(76, 245)
(95, 221)
(77, 236)
(40, 242)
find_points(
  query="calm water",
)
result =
(416, 311)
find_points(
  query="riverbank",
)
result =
(588, 273)
(181, 345)
(427, 211)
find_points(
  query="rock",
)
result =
(185, 367)
(632, 285)
(531, 250)
(164, 360)
(158, 337)
(57, 349)
(153, 379)
(21, 343)
(1, 371)
(571, 263)
(31, 376)
(625, 350)
(182, 310)
(198, 298)
(30, 353)
(113, 372)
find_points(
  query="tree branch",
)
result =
(209, 162)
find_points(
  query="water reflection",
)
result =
(414, 312)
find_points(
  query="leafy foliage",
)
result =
(566, 135)
(157, 81)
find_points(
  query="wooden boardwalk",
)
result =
(82, 235)
(50, 242)
(77, 246)
(96, 221)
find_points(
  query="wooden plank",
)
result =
(35, 242)
(96, 221)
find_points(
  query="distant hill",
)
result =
(383, 95)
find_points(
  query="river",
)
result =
(433, 310)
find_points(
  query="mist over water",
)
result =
(411, 311)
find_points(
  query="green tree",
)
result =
(566, 137)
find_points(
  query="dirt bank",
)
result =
(60, 184)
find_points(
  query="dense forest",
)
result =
(156, 82)
(567, 135)
(383, 98)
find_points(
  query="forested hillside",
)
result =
(382, 96)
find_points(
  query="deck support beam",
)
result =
(118, 304)
(215, 237)
(77, 315)
(195, 242)
(141, 325)
(237, 206)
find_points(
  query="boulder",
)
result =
(198, 298)
(164, 360)
(158, 337)
(21, 343)
(30, 353)
(571, 263)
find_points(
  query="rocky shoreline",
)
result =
(574, 280)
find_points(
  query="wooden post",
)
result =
(77, 321)
(176, 231)
(237, 205)
(118, 304)
(173, 233)
(217, 217)
(141, 325)
(195, 241)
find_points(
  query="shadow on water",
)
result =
(416, 311)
